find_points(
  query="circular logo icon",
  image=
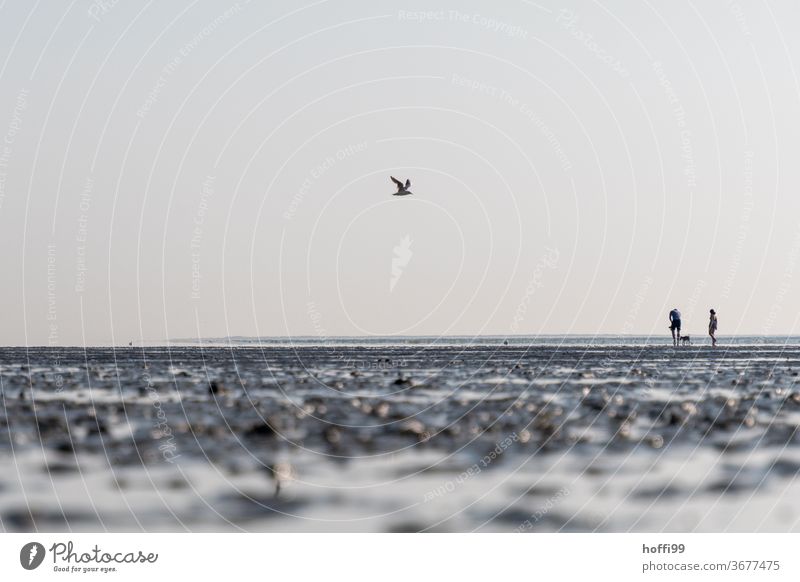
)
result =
(31, 555)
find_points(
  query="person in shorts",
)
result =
(675, 325)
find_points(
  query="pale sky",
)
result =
(184, 169)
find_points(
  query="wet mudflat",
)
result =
(400, 438)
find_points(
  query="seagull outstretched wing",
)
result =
(408, 184)
(396, 181)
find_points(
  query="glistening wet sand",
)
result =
(401, 438)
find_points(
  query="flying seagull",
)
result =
(402, 190)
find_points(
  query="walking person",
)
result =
(712, 326)
(675, 325)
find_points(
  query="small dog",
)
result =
(685, 339)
